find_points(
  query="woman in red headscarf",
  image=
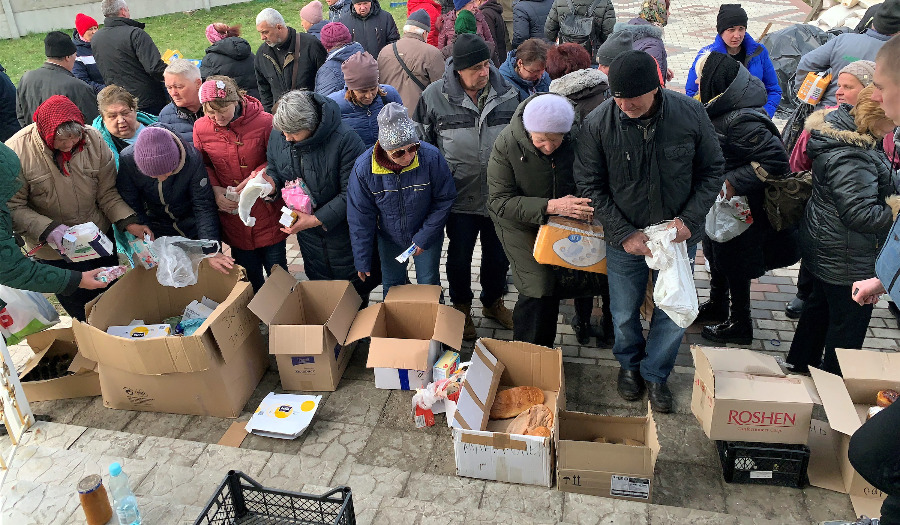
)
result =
(68, 178)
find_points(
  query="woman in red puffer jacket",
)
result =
(433, 8)
(232, 138)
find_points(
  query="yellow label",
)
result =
(308, 406)
(284, 411)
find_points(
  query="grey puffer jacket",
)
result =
(604, 15)
(647, 38)
(846, 218)
(529, 18)
(447, 118)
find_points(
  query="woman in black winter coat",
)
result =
(231, 56)
(846, 223)
(735, 101)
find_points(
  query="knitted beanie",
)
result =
(548, 113)
(469, 50)
(395, 128)
(465, 23)
(863, 70)
(887, 17)
(213, 35)
(459, 4)
(334, 34)
(420, 19)
(58, 45)
(217, 89)
(83, 22)
(156, 152)
(718, 72)
(632, 74)
(730, 15)
(312, 12)
(616, 44)
(360, 71)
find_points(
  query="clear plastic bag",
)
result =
(728, 218)
(674, 292)
(26, 313)
(179, 260)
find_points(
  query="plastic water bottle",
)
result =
(125, 503)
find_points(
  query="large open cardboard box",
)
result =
(494, 454)
(407, 330)
(617, 469)
(742, 395)
(846, 403)
(308, 325)
(210, 373)
(83, 382)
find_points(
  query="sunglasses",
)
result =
(396, 154)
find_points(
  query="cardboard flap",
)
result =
(448, 326)
(296, 340)
(824, 469)
(232, 322)
(414, 293)
(479, 390)
(270, 298)
(402, 354)
(40, 341)
(842, 415)
(344, 313)
(742, 386)
(867, 372)
(369, 322)
(741, 360)
(527, 364)
(865, 506)
(81, 364)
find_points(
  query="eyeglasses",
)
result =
(399, 153)
(538, 73)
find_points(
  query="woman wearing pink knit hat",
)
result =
(229, 55)
(311, 18)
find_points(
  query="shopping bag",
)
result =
(728, 218)
(26, 313)
(179, 260)
(674, 292)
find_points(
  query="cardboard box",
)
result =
(620, 469)
(84, 381)
(478, 390)
(846, 402)
(741, 395)
(210, 373)
(496, 455)
(308, 325)
(571, 244)
(407, 330)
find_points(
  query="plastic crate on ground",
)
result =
(764, 463)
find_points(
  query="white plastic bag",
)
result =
(256, 188)
(179, 260)
(26, 313)
(728, 218)
(674, 292)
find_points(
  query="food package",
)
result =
(571, 244)
(138, 330)
(111, 273)
(233, 195)
(513, 401)
(85, 242)
(142, 250)
(813, 87)
(283, 416)
(199, 309)
(445, 366)
(288, 217)
(436, 396)
(527, 423)
(298, 197)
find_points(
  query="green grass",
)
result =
(185, 31)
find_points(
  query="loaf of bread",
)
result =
(512, 402)
(539, 431)
(886, 397)
(531, 419)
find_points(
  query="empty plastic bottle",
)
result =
(125, 503)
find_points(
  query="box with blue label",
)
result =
(308, 324)
(407, 332)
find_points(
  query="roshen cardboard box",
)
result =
(621, 468)
(57, 343)
(497, 455)
(210, 373)
(741, 395)
(846, 403)
(407, 330)
(308, 325)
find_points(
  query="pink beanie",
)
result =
(334, 34)
(360, 71)
(312, 12)
(212, 35)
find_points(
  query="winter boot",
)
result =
(469, 330)
(583, 330)
(498, 312)
(731, 331)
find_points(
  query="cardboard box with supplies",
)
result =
(606, 456)
(407, 331)
(490, 449)
(210, 373)
(847, 401)
(57, 370)
(308, 325)
(741, 395)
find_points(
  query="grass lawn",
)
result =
(183, 31)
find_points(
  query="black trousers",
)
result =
(875, 454)
(74, 304)
(721, 287)
(830, 320)
(463, 230)
(535, 318)
(804, 283)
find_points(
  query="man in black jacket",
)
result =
(9, 124)
(648, 156)
(370, 25)
(127, 57)
(283, 51)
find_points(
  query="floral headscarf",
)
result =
(655, 11)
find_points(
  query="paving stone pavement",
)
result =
(365, 438)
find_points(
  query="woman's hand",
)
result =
(140, 230)
(304, 221)
(224, 203)
(363, 275)
(89, 280)
(728, 192)
(221, 262)
(570, 206)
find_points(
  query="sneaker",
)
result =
(469, 329)
(500, 313)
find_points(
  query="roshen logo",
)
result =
(761, 419)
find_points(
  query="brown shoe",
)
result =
(500, 313)
(469, 330)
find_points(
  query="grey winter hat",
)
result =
(395, 128)
(615, 45)
(420, 19)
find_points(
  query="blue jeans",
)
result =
(259, 260)
(655, 356)
(393, 273)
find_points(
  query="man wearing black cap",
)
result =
(54, 78)
(462, 114)
(850, 47)
(648, 156)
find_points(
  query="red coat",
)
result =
(231, 154)
(433, 8)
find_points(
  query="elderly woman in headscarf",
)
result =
(68, 178)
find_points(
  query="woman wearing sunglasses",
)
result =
(400, 192)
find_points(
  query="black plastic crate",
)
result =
(764, 463)
(240, 500)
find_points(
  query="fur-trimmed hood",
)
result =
(640, 28)
(831, 125)
(578, 81)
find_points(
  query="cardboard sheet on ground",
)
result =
(283, 416)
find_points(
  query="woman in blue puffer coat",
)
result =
(733, 40)
(363, 97)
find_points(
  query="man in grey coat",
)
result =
(54, 78)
